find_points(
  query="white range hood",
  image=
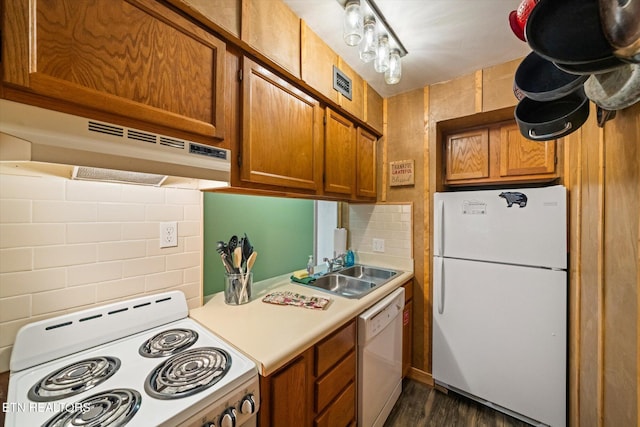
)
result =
(33, 134)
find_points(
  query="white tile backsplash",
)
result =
(391, 222)
(67, 245)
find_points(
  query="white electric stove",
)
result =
(140, 362)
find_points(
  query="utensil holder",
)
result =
(237, 288)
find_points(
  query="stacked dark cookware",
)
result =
(583, 50)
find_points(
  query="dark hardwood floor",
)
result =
(420, 405)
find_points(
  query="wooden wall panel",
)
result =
(620, 309)
(497, 86)
(404, 141)
(452, 99)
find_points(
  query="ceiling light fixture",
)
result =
(366, 27)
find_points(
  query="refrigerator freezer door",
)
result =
(501, 335)
(480, 225)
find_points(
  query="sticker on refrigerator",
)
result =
(474, 207)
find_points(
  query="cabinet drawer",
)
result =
(341, 412)
(334, 348)
(335, 380)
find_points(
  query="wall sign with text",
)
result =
(401, 173)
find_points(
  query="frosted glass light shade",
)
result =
(352, 28)
(394, 72)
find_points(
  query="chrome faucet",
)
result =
(338, 260)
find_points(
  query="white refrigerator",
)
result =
(500, 299)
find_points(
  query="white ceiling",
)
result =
(445, 38)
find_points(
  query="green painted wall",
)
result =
(279, 229)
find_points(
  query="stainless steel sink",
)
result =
(345, 286)
(353, 282)
(373, 274)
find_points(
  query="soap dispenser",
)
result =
(350, 259)
(310, 265)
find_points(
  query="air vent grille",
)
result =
(106, 129)
(342, 83)
(141, 136)
(170, 142)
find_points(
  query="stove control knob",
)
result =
(248, 405)
(209, 424)
(228, 418)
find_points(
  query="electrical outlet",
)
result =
(378, 245)
(168, 234)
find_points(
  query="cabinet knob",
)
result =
(228, 418)
(248, 405)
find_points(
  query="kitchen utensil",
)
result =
(222, 249)
(567, 31)
(250, 261)
(616, 90)
(604, 65)
(247, 249)
(518, 18)
(621, 26)
(547, 120)
(233, 243)
(540, 80)
(237, 259)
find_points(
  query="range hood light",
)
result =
(112, 175)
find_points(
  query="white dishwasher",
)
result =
(380, 359)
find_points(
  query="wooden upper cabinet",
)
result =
(222, 15)
(339, 154)
(498, 153)
(522, 156)
(136, 58)
(373, 112)
(366, 164)
(355, 105)
(467, 155)
(317, 62)
(281, 131)
(273, 29)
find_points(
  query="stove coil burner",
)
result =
(109, 408)
(187, 373)
(74, 378)
(168, 342)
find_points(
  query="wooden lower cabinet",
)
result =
(317, 388)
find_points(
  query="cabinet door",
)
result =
(340, 154)
(135, 58)
(366, 164)
(467, 155)
(522, 156)
(273, 29)
(285, 394)
(281, 133)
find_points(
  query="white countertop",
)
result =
(272, 335)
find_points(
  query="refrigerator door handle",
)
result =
(439, 220)
(439, 277)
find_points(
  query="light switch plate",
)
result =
(168, 234)
(378, 245)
